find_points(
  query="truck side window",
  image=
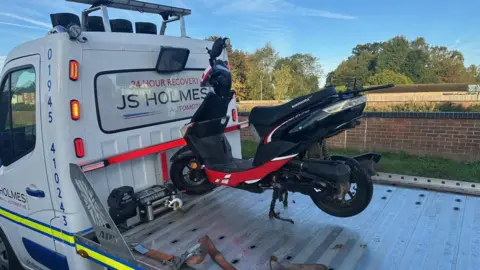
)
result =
(6, 149)
(17, 115)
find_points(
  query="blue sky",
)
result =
(327, 29)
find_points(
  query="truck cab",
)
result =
(93, 92)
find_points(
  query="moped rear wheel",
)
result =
(354, 201)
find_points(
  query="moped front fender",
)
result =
(182, 153)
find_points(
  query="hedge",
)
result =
(425, 107)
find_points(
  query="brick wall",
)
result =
(245, 133)
(450, 135)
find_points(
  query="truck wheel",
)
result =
(358, 200)
(187, 176)
(8, 259)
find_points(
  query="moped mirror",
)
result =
(218, 47)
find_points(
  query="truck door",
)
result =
(25, 203)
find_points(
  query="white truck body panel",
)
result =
(50, 221)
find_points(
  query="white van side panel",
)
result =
(145, 171)
(100, 53)
(139, 173)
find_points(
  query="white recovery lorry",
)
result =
(90, 110)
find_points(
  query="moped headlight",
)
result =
(344, 105)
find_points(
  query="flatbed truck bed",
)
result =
(403, 228)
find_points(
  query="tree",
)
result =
(239, 63)
(419, 44)
(284, 82)
(361, 66)
(304, 64)
(306, 71)
(260, 73)
(473, 73)
(417, 66)
(371, 48)
(393, 55)
(448, 65)
(387, 76)
(415, 59)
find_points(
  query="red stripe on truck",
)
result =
(232, 128)
(147, 151)
(163, 160)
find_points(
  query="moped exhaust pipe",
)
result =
(328, 170)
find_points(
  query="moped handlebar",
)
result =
(369, 89)
(378, 87)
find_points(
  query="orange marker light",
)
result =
(75, 109)
(79, 147)
(74, 70)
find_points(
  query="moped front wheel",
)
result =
(353, 201)
(187, 176)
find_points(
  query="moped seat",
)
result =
(268, 115)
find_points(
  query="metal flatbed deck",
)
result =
(402, 228)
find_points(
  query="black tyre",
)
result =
(192, 181)
(357, 202)
(8, 259)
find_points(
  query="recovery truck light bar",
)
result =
(162, 147)
(135, 5)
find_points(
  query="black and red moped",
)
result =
(283, 161)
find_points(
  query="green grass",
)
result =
(403, 163)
